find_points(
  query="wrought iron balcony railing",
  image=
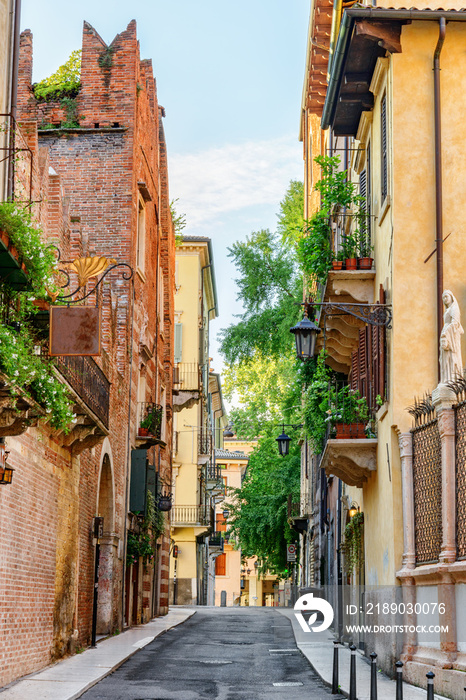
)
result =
(216, 541)
(204, 443)
(87, 379)
(213, 472)
(351, 231)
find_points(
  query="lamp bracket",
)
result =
(373, 314)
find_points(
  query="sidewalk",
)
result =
(70, 678)
(317, 647)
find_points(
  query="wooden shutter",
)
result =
(178, 341)
(220, 523)
(221, 565)
(383, 140)
(137, 492)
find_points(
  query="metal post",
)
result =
(335, 667)
(352, 681)
(96, 593)
(399, 680)
(430, 685)
(373, 676)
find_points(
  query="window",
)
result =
(365, 191)
(141, 234)
(221, 565)
(384, 149)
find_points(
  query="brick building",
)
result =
(99, 188)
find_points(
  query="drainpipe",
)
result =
(13, 99)
(438, 176)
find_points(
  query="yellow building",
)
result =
(198, 423)
(374, 94)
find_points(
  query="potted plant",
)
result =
(364, 249)
(350, 250)
(349, 414)
(151, 423)
(337, 264)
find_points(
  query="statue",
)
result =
(451, 364)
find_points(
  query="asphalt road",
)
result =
(218, 654)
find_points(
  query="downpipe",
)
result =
(438, 176)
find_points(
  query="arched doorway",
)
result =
(105, 509)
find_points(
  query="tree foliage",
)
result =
(265, 381)
(258, 514)
(291, 217)
(65, 82)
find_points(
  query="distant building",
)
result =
(198, 424)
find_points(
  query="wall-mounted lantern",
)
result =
(6, 472)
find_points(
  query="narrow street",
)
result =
(219, 653)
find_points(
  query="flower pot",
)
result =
(337, 264)
(143, 432)
(365, 263)
(41, 304)
(346, 431)
(351, 263)
(5, 239)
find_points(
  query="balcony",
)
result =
(150, 419)
(352, 460)
(216, 542)
(18, 411)
(204, 444)
(186, 385)
(191, 516)
(91, 392)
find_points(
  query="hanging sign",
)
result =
(74, 330)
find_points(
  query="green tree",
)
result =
(65, 82)
(265, 380)
(291, 217)
(258, 515)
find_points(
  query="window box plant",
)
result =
(338, 263)
(348, 413)
(350, 251)
(151, 424)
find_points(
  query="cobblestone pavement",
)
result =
(218, 654)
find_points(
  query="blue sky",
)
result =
(230, 77)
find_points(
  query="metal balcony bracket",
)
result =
(373, 314)
(353, 461)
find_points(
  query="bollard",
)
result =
(352, 677)
(430, 685)
(399, 680)
(335, 667)
(373, 676)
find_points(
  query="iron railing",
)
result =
(87, 379)
(186, 376)
(216, 540)
(150, 418)
(427, 480)
(213, 472)
(204, 444)
(460, 414)
(346, 226)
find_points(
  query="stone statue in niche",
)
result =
(451, 363)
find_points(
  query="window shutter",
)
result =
(137, 493)
(178, 341)
(354, 371)
(220, 523)
(383, 139)
(220, 565)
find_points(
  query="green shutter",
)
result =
(137, 493)
(178, 341)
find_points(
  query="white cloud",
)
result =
(232, 177)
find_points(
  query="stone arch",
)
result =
(108, 543)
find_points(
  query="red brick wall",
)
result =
(89, 205)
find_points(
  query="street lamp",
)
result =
(283, 443)
(353, 510)
(305, 334)
(165, 502)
